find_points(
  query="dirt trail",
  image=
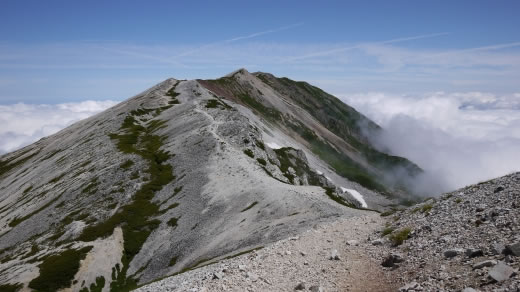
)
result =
(302, 259)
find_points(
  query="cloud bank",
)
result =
(23, 124)
(458, 139)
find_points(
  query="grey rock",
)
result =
(391, 260)
(513, 249)
(217, 276)
(316, 289)
(353, 242)
(474, 252)
(377, 242)
(334, 255)
(498, 189)
(242, 268)
(486, 263)
(498, 248)
(501, 272)
(300, 286)
(413, 286)
(450, 253)
(469, 289)
(252, 276)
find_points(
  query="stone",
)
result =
(501, 272)
(497, 248)
(300, 286)
(391, 260)
(409, 287)
(482, 264)
(353, 242)
(513, 249)
(377, 242)
(252, 276)
(469, 289)
(242, 268)
(450, 253)
(334, 255)
(498, 189)
(316, 289)
(217, 276)
(474, 252)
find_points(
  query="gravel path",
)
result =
(329, 257)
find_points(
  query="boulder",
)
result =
(300, 286)
(501, 272)
(391, 260)
(513, 249)
(482, 264)
(474, 252)
(450, 253)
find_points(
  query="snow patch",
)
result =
(319, 172)
(356, 196)
(273, 145)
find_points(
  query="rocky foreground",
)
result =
(467, 240)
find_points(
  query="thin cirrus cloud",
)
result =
(24, 124)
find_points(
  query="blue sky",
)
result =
(61, 51)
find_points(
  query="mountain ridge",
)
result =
(170, 179)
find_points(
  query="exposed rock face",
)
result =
(464, 240)
(177, 177)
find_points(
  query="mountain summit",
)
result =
(182, 175)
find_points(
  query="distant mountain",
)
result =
(184, 174)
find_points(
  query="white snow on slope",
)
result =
(356, 196)
(273, 145)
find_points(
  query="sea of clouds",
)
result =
(457, 138)
(22, 124)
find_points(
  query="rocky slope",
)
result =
(467, 240)
(182, 175)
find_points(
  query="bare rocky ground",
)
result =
(467, 240)
(328, 257)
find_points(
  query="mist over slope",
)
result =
(458, 139)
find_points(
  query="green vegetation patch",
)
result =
(52, 154)
(217, 103)
(173, 222)
(19, 220)
(398, 237)
(261, 161)
(91, 188)
(250, 206)
(249, 153)
(127, 164)
(10, 164)
(57, 271)
(330, 192)
(387, 231)
(11, 287)
(172, 262)
(95, 287)
(58, 178)
(136, 218)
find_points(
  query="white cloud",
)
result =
(458, 138)
(23, 124)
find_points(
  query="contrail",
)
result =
(239, 38)
(144, 56)
(328, 52)
(476, 49)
